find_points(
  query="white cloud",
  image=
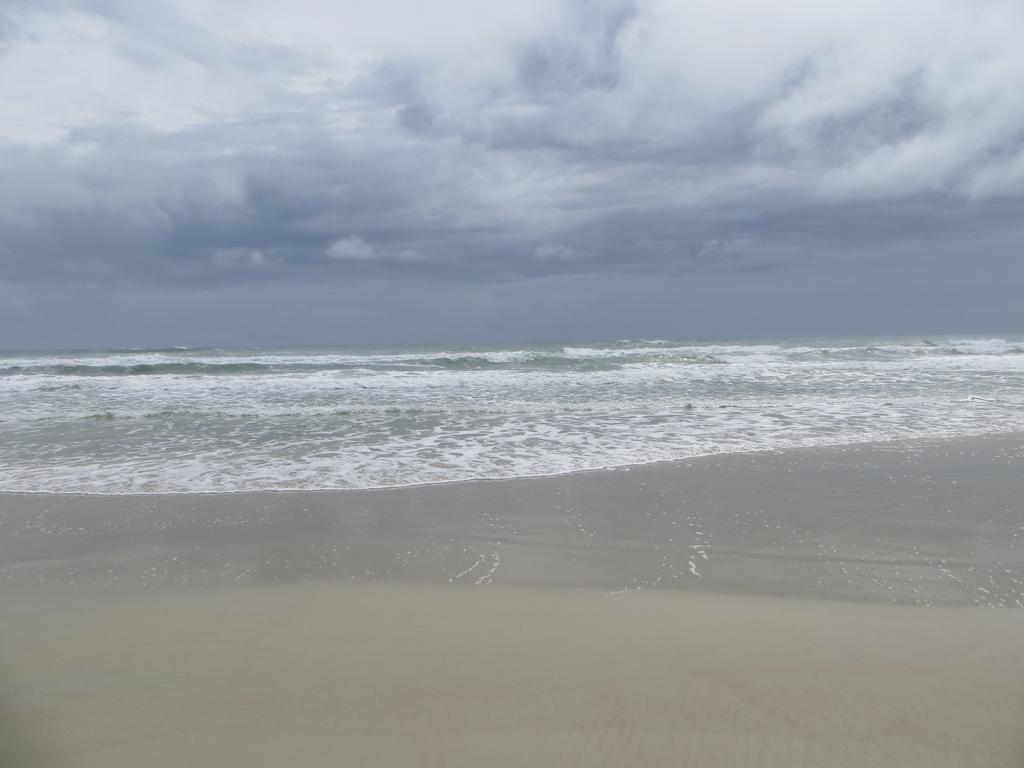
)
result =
(836, 100)
(351, 248)
(495, 139)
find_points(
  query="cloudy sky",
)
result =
(257, 172)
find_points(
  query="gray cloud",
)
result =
(196, 148)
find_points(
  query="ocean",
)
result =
(185, 420)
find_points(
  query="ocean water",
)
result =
(217, 420)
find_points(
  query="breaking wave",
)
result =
(180, 420)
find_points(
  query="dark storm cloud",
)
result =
(194, 148)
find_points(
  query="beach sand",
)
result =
(846, 606)
(382, 675)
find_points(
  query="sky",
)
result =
(247, 172)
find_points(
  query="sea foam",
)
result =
(193, 420)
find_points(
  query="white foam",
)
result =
(375, 425)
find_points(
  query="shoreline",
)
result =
(655, 463)
(854, 605)
(926, 522)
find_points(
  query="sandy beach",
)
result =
(545, 384)
(916, 522)
(383, 675)
(839, 606)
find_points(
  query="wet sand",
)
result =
(924, 522)
(844, 606)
